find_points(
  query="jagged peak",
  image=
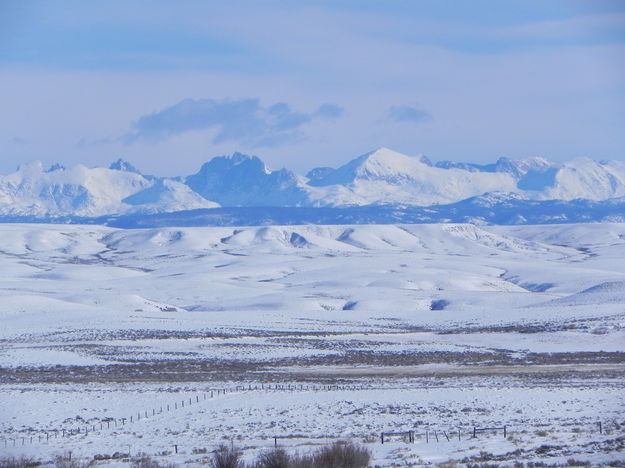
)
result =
(318, 173)
(236, 159)
(55, 167)
(239, 158)
(124, 166)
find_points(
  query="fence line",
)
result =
(38, 436)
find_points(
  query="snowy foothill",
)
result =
(364, 329)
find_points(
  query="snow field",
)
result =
(301, 419)
(343, 303)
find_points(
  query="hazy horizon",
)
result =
(169, 87)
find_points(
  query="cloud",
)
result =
(88, 142)
(408, 114)
(245, 121)
(329, 111)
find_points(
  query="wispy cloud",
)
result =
(17, 141)
(408, 114)
(329, 111)
(244, 121)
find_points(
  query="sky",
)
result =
(169, 85)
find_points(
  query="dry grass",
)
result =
(22, 462)
(338, 455)
(224, 457)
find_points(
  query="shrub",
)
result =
(274, 459)
(573, 462)
(66, 461)
(147, 462)
(22, 462)
(342, 455)
(224, 457)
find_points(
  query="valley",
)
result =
(333, 332)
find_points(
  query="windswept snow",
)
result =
(434, 327)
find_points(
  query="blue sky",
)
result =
(167, 85)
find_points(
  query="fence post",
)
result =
(176, 448)
(275, 442)
(504, 431)
(474, 432)
(427, 437)
(382, 435)
(458, 433)
(600, 429)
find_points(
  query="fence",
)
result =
(427, 434)
(37, 436)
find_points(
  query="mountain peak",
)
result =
(242, 180)
(380, 164)
(124, 166)
(383, 152)
(56, 167)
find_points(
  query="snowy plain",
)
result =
(421, 327)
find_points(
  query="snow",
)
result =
(531, 336)
(381, 177)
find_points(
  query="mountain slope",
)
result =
(388, 177)
(241, 180)
(507, 191)
(86, 192)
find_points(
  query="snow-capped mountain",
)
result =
(388, 177)
(166, 195)
(87, 192)
(515, 167)
(241, 180)
(539, 179)
(381, 178)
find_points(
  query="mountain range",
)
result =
(374, 184)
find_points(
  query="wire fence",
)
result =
(428, 434)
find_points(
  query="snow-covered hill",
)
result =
(86, 192)
(381, 178)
